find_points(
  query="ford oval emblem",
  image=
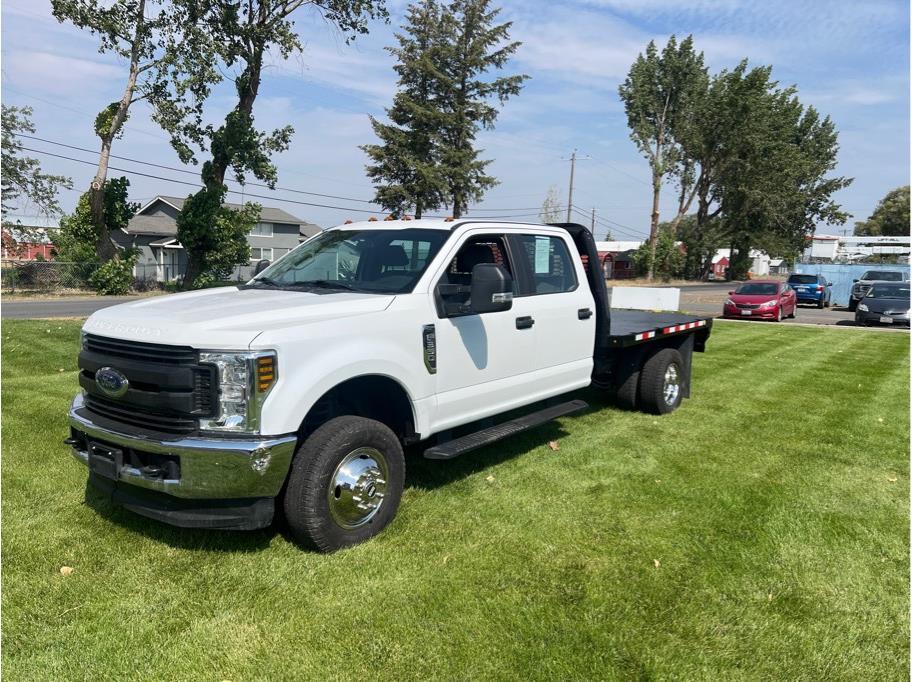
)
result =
(112, 382)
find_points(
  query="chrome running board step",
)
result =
(458, 446)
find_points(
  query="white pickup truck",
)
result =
(300, 388)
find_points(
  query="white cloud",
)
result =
(57, 74)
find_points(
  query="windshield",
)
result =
(889, 291)
(373, 261)
(803, 279)
(883, 275)
(758, 289)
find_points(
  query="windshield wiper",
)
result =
(326, 284)
(268, 281)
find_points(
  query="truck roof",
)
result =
(426, 224)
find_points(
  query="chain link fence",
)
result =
(61, 278)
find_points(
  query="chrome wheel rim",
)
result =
(358, 487)
(671, 388)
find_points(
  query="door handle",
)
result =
(524, 322)
(584, 313)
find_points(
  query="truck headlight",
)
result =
(244, 381)
(862, 307)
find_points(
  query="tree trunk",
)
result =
(654, 224)
(104, 246)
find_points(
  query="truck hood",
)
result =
(226, 318)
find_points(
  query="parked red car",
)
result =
(767, 300)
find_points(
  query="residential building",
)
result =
(617, 258)
(153, 232)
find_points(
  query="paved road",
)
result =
(58, 307)
(702, 299)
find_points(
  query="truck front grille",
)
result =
(124, 414)
(169, 390)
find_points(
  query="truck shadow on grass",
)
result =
(180, 538)
(420, 473)
(430, 474)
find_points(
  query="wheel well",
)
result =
(374, 397)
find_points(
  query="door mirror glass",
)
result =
(260, 266)
(492, 289)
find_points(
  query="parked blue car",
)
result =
(811, 289)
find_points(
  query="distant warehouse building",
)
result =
(826, 248)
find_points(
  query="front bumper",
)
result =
(862, 317)
(749, 313)
(204, 469)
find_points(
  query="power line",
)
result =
(252, 184)
(256, 196)
(193, 172)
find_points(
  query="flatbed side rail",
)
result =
(661, 332)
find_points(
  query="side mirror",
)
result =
(854, 280)
(492, 289)
(260, 266)
(829, 284)
(731, 293)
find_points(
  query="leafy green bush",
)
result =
(114, 277)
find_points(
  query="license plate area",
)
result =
(105, 460)
(746, 312)
(886, 320)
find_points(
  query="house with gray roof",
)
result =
(153, 232)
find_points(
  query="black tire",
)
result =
(653, 382)
(822, 302)
(779, 314)
(625, 395)
(794, 312)
(852, 305)
(307, 495)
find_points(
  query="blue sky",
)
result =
(849, 59)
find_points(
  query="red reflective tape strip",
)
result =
(644, 335)
(683, 327)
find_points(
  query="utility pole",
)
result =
(592, 229)
(573, 161)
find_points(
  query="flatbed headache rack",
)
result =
(617, 328)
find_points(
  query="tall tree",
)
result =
(243, 33)
(779, 188)
(661, 96)
(149, 37)
(406, 164)
(551, 209)
(475, 45)
(21, 177)
(890, 218)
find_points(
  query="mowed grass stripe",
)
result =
(544, 571)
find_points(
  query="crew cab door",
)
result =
(485, 362)
(553, 285)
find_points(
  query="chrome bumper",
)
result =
(209, 467)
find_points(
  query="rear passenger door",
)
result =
(552, 286)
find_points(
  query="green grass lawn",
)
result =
(759, 532)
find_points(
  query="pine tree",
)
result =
(475, 45)
(406, 165)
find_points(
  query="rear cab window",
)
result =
(546, 263)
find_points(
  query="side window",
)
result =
(476, 250)
(548, 263)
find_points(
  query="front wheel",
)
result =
(345, 484)
(779, 314)
(662, 382)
